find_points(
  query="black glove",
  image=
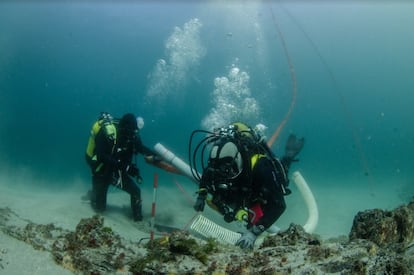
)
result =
(153, 158)
(156, 158)
(132, 170)
(293, 147)
(201, 200)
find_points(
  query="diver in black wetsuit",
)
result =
(245, 180)
(110, 153)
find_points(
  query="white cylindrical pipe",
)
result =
(172, 159)
(309, 199)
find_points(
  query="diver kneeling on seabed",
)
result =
(242, 179)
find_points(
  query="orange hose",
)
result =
(294, 83)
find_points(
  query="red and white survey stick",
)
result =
(154, 199)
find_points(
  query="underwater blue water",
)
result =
(185, 66)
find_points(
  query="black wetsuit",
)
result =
(115, 158)
(261, 186)
(268, 191)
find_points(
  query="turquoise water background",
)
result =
(185, 66)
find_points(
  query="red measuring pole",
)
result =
(154, 199)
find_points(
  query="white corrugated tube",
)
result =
(313, 214)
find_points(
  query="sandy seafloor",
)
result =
(64, 208)
(61, 65)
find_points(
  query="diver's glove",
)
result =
(132, 170)
(153, 158)
(201, 200)
(247, 240)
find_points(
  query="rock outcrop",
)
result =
(380, 242)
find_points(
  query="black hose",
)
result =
(192, 156)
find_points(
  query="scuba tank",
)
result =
(107, 123)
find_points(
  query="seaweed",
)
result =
(168, 248)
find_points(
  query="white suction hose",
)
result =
(309, 199)
(172, 159)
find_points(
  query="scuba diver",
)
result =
(109, 153)
(242, 179)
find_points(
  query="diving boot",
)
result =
(136, 210)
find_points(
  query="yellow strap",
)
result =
(254, 159)
(99, 167)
